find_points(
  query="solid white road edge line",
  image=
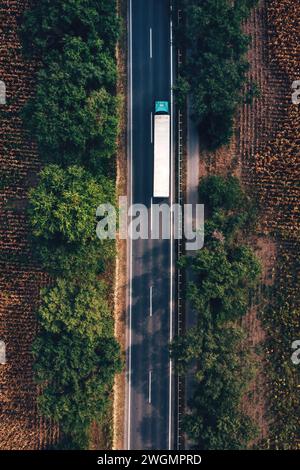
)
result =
(151, 216)
(130, 261)
(151, 301)
(151, 46)
(150, 387)
(171, 215)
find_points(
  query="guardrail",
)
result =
(180, 300)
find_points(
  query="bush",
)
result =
(217, 192)
(215, 69)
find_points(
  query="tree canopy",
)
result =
(69, 307)
(74, 113)
(63, 205)
(77, 377)
(223, 371)
(70, 125)
(74, 118)
(214, 73)
(76, 356)
(224, 277)
(46, 24)
(215, 349)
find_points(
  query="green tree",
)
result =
(82, 308)
(215, 70)
(74, 119)
(74, 113)
(83, 62)
(224, 277)
(218, 192)
(63, 205)
(74, 260)
(71, 126)
(76, 376)
(222, 370)
(228, 209)
(76, 356)
(62, 213)
(215, 350)
(46, 24)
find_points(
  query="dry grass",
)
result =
(121, 265)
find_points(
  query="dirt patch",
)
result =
(101, 435)
(121, 264)
(255, 403)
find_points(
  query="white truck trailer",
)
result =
(161, 182)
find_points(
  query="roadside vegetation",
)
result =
(74, 119)
(225, 272)
(281, 321)
(264, 152)
(214, 72)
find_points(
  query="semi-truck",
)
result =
(161, 183)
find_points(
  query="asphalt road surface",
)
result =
(150, 386)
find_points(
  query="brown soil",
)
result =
(20, 278)
(121, 265)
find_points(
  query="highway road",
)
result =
(150, 394)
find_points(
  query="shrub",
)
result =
(217, 192)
